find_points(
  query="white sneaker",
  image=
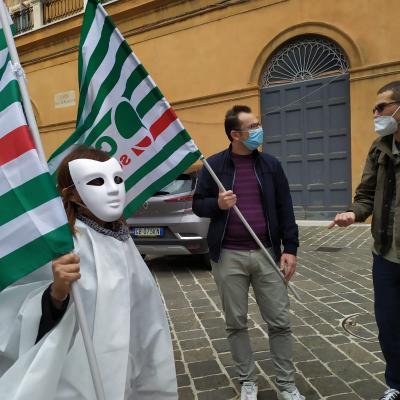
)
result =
(249, 391)
(293, 395)
(391, 394)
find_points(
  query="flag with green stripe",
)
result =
(122, 111)
(33, 224)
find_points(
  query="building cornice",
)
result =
(62, 37)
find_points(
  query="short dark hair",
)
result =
(394, 87)
(231, 119)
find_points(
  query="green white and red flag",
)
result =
(33, 224)
(122, 111)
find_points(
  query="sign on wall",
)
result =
(64, 99)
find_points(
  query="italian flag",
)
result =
(33, 224)
(123, 112)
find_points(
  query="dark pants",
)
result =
(386, 277)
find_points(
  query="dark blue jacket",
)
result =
(276, 201)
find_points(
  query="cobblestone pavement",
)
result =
(334, 280)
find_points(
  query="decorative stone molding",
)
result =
(331, 32)
(37, 14)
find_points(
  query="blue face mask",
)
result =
(255, 139)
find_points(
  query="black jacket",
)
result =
(276, 199)
(51, 315)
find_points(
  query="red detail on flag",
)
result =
(138, 152)
(145, 142)
(163, 122)
(139, 147)
(15, 143)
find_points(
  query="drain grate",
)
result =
(349, 324)
(329, 249)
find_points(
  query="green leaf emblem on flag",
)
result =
(126, 120)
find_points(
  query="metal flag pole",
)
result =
(249, 228)
(87, 340)
(20, 75)
(30, 116)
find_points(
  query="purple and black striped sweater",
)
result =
(248, 192)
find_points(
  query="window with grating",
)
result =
(23, 19)
(304, 59)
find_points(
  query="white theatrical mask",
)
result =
(100, 185)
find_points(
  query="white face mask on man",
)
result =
(100, 185)
(386, 124)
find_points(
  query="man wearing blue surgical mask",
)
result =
(379, 194)
(257, 184)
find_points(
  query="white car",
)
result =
(166, 224)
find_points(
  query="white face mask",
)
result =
(100, 186)
(386, 124)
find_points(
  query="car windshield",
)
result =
(182, 184)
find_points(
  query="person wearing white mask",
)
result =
(378, 194)
(42, 355)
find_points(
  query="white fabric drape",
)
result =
(126, 318)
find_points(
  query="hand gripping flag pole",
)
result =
(20, 75)
(249, 228)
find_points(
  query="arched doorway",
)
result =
(304, 94)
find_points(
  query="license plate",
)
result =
(148, 232)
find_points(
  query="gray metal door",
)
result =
(307, 127)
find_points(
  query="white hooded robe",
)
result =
(126, 319)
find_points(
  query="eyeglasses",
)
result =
(381, 106)
(249, 128)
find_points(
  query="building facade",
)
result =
(309, 68)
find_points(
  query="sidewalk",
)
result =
(334, 279)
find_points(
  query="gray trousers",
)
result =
(233, 274)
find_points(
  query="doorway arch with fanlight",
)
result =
(305, 112)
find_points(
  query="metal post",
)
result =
(249, 228)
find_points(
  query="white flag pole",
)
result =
(30, 116)
(87, 340)
(249, 228)
(20, 75)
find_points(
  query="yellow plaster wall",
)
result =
(13, 3)
(55, 124)
(206, 56)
